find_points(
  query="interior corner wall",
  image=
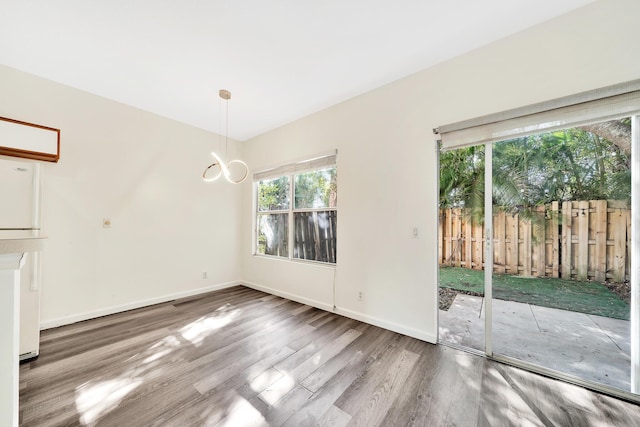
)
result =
(387, 163)
(142, 172)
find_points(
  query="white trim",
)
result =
(12, 261)
(305, 210)
(293, 297)
(312, 164)
(488, 257)
(554, 104)
(67, 320)
(254, 218)
(325, 264)
(395, 327)
(635, 253)
(321, 264)
(543, 118)
(391, 326)
(269, 169)
(436, 262)
(291, 222)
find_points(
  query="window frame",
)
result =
(317, 163)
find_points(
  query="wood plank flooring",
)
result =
(240, 357)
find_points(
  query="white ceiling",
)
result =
(281, 59)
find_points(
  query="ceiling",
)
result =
(281, 59)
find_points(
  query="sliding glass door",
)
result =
(461, 247)
(561, 213)
(540, 238)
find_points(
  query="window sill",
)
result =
(298, 261)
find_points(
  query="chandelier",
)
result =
(236, 171)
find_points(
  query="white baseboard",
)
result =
(292, 297)
(414, 333)
(67, 320)
(404, 330)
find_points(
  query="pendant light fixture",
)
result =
(236, 171)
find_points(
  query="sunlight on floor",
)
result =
(94, 400)
(577, 395)
(317, 359)
(512, 407)
(162, 348)
(464, 360)
(242, 413)
(264, 380)
(278, 389)
(99, 396)
(197, 331)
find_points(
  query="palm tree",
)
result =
(570, 164)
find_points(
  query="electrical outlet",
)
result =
(204, 274)
(360, 296)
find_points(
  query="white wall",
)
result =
(387, 170)
(143, 172)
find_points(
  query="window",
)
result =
(297, 211)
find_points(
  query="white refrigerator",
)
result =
(20, 209)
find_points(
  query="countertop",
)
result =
(17, 241)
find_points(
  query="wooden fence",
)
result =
(580, 240)
(314, 235)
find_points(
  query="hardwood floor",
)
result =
(239, 357)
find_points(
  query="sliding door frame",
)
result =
(488, 247)
(635, 253)
(622, 94)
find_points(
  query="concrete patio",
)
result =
(591, 347)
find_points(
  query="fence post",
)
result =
(468, 261)
(479, 248)
(601, 240)
(566, 240)
(526, 245)
(619, 221)
(555, 237)
(448, 237)
(316, 235)
(541, 261)
(456, 234)
(500, 247)
(514, 240)
(583, 240)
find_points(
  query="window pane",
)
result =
(561, 217)
(315, 236)
(273, 194)
(273, 234)
(317, 189)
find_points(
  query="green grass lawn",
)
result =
(583, 297)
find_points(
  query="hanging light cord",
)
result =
(222, 168)
(226, 130)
